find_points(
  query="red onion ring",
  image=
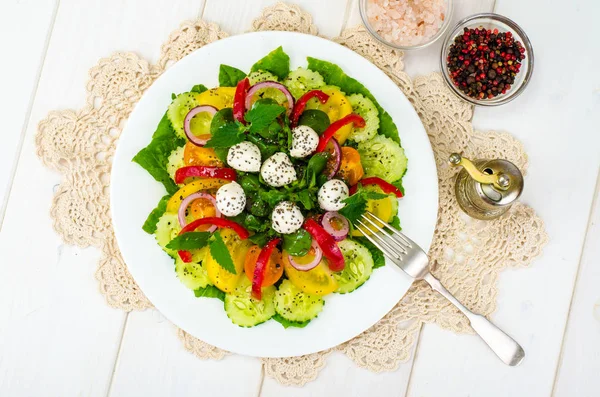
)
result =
(338, 235)
(270, 84)
(188, 119)
(188, 200)
(337, 156)
(313, 263)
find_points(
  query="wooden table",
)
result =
(59, 338)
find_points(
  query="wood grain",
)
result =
(553, 119)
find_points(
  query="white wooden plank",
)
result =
(150, 339)
(236, 16)
(58, 337)
(342, 377)
(554, 118)
(580, 361)
(426, 60)
(24, 30)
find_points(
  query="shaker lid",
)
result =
(499, 182)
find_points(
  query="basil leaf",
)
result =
(150, 224)
(221, 254)
(357, 203)
(315, 119)
(226, 136)
(222, 117)
(315, 166)
(297, 243)
(230, 76)
(262, 115)
(272, 197)
(189, 241)
(199, 88)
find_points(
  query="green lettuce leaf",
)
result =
(210, 291)
(334, 75)
(395, 223)
(378, 258)
(230, 76)
(276, 62)
(154, 157)
(150, 224)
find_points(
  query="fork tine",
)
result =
(391, 251)
(375, 243)
(380, 229)
(405, 240)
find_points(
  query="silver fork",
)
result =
(408, 256)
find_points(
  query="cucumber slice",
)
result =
(266, 93)
(193, 275)
(175, 161)
(301, 80)
(358, 269)
(167, 229)
(180, 107)
(246, 311)
(382, 157)
(294, 305)
(365, 108)
(260, 76)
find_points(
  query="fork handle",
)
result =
(505, 347)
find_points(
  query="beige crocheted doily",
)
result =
(468, 254)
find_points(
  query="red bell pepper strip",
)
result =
(332, 129)
(330, 249)
(239, 100)
(301, 104)
(201, 171)
(186, 256)
(261, 266)
(383, 185)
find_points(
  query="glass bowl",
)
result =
(447, 18)
(503, 24)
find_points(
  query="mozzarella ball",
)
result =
(304, 141)
(244, 156)
(286, 217)
(278, 170)
(231, 199)
(332, 194)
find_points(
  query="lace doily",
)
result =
(467, 254)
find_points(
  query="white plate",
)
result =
(134, 193)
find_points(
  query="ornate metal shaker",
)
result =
(486, 189)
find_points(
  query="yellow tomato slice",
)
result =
(336, 107)
(193, 187)
(198, 155)
(384, 208)
(221, 97)
(317, 281)
(238, 249)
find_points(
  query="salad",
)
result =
(265, 176)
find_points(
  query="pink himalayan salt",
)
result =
(406, 22)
